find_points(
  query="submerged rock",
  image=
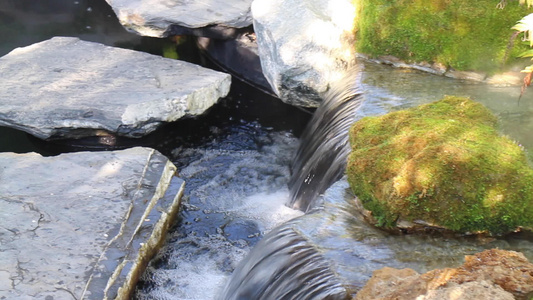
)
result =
(162, 18)
(82, 225)
(68, 88)
(304, 46)
(491, 274)
(442, 164)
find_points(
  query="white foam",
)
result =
(193, 274)
(267, 209)
(244, 185)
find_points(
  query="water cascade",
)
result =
(284, 265)
(321, 156)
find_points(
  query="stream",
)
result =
(235, 161)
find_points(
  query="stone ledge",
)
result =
(511, 78)
(157, 18)
(68, 88)
(82, 225)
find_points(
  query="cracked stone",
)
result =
(74, 225)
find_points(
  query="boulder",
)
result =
(162, 18)
(304, 45)
(491, 274)
(68, 88)
(82, 225)
(442, 164)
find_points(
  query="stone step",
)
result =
(68, 88)
(162, 18)
(82, 225)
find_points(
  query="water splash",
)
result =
(321, 157)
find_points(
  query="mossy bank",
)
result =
(444, 163)
(464, 35)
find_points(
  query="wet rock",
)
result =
(491, 274)
(82, 225)
(510, 78)
(161, 18)
(301, 56)
(465, 75)
(68, 88)
(435, 68)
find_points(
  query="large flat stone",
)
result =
(157, 17)
(68, 88)
(82, 225)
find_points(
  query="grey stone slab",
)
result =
(82, 225)
(304, 46)
(68, 88)
(156, 17)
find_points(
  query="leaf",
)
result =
(526, 26)
(528, 53)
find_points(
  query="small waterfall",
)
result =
(284, 264)
(321, 157)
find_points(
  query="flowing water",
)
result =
(331, 252)
(236, 159)
(321, 157)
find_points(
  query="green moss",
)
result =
(466, 35)
(444, 163)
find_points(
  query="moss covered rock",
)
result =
(464, 35)
(444, 163)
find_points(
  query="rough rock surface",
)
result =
(157, 18)
(82, 225)
(491, 274)
(304, 45)
(68, 88)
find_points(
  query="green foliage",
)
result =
(444, 163)
(466, 35)
(170, 51)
